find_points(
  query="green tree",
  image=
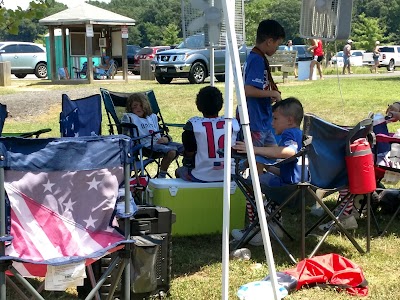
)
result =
(255, 12)
(366, 31)
(11, 19)
(287, 13)
(171, 35)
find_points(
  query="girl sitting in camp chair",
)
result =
(139, 113)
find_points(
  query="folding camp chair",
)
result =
(4, 115)
(247, 189)
(80, 117)
(327, 173)
(57, 205)
(81, 73)
(115, 103)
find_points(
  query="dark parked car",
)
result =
(302, 53)
(131, 51)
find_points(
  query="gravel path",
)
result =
(29, 103)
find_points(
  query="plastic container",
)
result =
(260, 290)
(304, 70)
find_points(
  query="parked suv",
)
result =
(191, 60)
(25, 58)
(146, 53)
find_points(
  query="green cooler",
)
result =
(198, 206)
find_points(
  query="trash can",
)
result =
(304, 70)
(146, 72)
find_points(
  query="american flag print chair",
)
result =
(57, 207)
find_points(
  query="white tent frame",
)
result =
(233, 68)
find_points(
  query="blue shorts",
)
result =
(271, 180)
(263, 138)
(165, 148)
(346, 61)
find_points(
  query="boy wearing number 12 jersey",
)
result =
(202, 137)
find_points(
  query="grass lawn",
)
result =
(196, 263)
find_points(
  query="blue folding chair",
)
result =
(80, 117)
(57, 206)
(323, 173)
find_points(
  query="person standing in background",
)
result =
(375, 56)
(289, 47)
(346, 57)
(317, 50)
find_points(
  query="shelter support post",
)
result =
(89, 55)
(124, 61)
(64, 47)
(54, 76)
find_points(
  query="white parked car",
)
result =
(356, 58)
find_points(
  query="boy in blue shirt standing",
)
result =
(260, 88)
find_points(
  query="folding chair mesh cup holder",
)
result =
(383, 143)
(115, 103)
(325, 153)
(68, 162)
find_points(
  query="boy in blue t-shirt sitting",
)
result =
(287, 117)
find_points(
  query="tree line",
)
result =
(159, 22)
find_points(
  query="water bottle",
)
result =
(241, 254)
(395, 149)
(394, 157)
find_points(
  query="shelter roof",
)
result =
(86, 14)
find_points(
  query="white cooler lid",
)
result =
(180, 183)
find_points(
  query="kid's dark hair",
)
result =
(139, 98)
(290, 107)
(209, 101)
(269, 29)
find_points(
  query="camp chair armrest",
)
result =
(175, 125)
(35, 133)
(128, 125)
(384, 138)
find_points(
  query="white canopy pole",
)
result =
(227, 169)
(244, 119)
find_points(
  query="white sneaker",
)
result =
(348, 222)
(257, 239)
(237, 234)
